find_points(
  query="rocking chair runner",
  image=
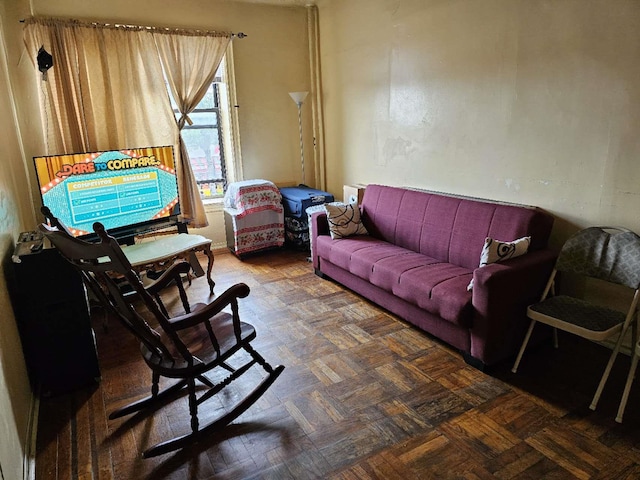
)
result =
(184, 347)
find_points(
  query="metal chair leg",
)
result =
(627, 387)
(524, 345)
(607, 370)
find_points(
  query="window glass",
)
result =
(200, 118)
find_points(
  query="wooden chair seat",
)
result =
(200, 347)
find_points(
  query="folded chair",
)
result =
(610, 254)
(185, 347)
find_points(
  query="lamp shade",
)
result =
(298, 97)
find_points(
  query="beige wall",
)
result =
(529, 101)
(15, 392)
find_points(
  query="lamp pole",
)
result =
(299, 97)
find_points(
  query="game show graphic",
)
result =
(117, 188)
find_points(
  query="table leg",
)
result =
(209, 254)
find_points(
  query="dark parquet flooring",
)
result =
(363, 396)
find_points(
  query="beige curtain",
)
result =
(190, 63)
(106, 89)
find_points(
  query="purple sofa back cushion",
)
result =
(450, 229)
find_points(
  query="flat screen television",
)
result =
(129, 191)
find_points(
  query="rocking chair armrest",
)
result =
(207, 310)
(168, 276)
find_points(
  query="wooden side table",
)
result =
(159, 252)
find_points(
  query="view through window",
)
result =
(204, 138)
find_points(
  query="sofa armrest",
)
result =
(318, 225)
(501, 294)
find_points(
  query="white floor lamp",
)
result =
(299, 97)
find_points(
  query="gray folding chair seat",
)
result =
(578, 316)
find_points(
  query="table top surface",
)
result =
(162, 248)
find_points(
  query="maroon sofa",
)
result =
(423, 249)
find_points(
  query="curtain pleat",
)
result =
(105, 91)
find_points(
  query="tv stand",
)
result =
(160, 252)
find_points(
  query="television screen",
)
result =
(128, 191)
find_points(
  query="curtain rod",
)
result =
(184, 31)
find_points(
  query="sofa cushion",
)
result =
(442, 290)
(363, 261)
(387, 271)
(452, 301)
(439, 288)
(339, 252)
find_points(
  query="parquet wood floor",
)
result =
(363, 396)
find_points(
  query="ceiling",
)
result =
(283, 3)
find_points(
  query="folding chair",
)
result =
(610, 254)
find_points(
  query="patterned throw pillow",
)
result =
(496, 251)
(344, 220)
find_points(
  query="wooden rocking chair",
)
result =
(184, 347)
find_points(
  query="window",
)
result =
(208, 139)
